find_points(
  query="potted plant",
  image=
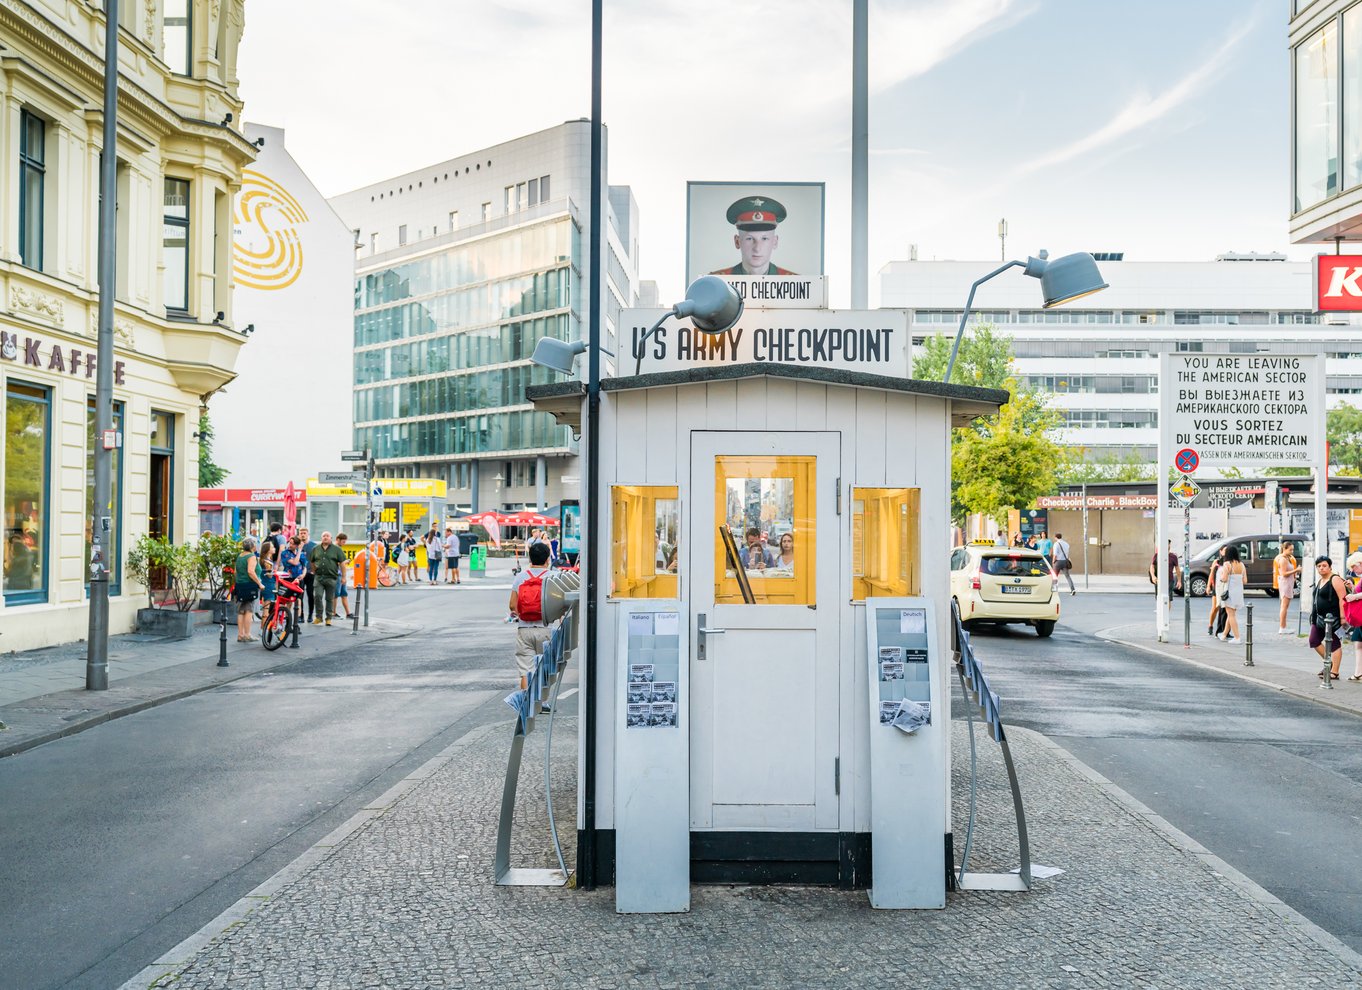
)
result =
(218, 554)
(183, 571)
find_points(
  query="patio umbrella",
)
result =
(290, 510)
(527, 518)
(490, 521)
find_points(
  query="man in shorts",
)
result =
(452, 553)
(532, 632)
(342, 593)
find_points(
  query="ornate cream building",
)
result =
(180, 159)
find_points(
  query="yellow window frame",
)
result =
(886, 559)
(634, 541)
(798, 589)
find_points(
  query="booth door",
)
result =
(764, 716)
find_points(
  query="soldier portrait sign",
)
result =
(755, 230)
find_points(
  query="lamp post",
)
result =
(1062, 280)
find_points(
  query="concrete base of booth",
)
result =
(820, 859)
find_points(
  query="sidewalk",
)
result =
(401, 898)
(43, 696)
(1284, 663)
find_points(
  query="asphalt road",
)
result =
(1271, 784)
(123, 840)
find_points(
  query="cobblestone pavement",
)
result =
(405, 900)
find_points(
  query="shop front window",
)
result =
(765, 545)
(884, 543)
(645, 537)
(114, 539)
(28, 429)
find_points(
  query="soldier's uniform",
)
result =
(755, 213)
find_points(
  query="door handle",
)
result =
(702, 633)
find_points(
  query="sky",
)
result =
(1158, 128)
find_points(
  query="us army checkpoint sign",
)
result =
(1243, 410)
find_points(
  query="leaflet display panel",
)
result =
(907, 754)
(652, 759)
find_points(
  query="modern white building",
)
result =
(461, 267)
(1099, 357)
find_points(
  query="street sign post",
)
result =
(1185, 491)
(1186, 460)
(342, 479)
(354, 455)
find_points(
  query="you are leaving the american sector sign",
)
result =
(874, 341)
(1243, 409)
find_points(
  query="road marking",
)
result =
(567, 694)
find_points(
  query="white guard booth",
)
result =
(758, 518)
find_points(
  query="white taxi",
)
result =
(1004, 584)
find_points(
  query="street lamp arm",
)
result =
(639, 347)
(969, 303)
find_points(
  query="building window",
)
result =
(507, 199)
(543, 189)
(32, 177)
(28, 430)
(176, 36)
(401, 235)
(161, 486)
(175, 243)
(453, 219)
(373, 243)
(534, 192)
(486, 212)
(114, 543)
(1317, 117)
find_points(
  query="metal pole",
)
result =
(860, 154)
(586, 837)
(222, 634)
(1087, 573)
(97, 642)
(297, 622)
(354, 615)
(1248, 636)
(1327, 675)
(369, 494)
(1187, 580)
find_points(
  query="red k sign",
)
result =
(1338, 283)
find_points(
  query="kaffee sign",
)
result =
(1338, 283)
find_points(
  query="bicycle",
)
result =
(281, 617)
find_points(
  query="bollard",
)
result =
(1248, 637)
(354, 613)
(297, 623)
(1328, 684)
(222, 634)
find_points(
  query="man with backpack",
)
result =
(527, 605)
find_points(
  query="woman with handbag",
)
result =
(1352, 610)
(1330, 592)
(1229, 587)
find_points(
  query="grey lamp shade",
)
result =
(711, 304)
(557, 355)
(1070, 277)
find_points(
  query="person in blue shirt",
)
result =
(292, 563)
(307, 546)
(1044, 544)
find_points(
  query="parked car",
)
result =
(1002, 585)
(1256, 552)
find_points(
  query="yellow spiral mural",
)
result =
(267, 251)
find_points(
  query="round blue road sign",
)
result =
(1186, 460)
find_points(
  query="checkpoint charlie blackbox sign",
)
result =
(1243, 409)
(871, 341)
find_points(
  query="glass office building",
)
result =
(461, 268)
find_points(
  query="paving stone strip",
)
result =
(402, 897)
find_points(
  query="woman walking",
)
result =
(1284, 571)
(1354, 586)
(1328, 605)
(435, 552)
(269, 586)
(1216, 620)
(246, 590)
(1229, 587)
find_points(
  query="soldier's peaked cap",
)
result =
(756, 213)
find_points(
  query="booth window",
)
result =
(645, 532)
(764, 544)
(885, 560)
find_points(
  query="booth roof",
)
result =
(563, 399)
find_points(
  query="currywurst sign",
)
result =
(1243, 409)
(872, 341)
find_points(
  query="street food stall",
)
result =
(401, 504)
(239, 512)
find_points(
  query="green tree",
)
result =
(999, 462)
(1344, 429)
(210, 474)
(1082, 469)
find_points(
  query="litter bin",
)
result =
(477, 558)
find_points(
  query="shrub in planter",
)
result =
(218, 554)
(148, 559)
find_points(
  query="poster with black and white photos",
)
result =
(637, 716)
(662, 714)
(640, 692)
(891, 654)
(664, 691)
(641, 672)
(891, 671)
(888, 709)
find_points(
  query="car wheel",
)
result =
(1199, 586)
(1044, 627)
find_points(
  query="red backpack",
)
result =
(530, 598)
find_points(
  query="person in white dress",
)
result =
(1229, 588)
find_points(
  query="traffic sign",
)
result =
(1186, 460)
(354, 455)
(1185, 490)
(342, 479)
